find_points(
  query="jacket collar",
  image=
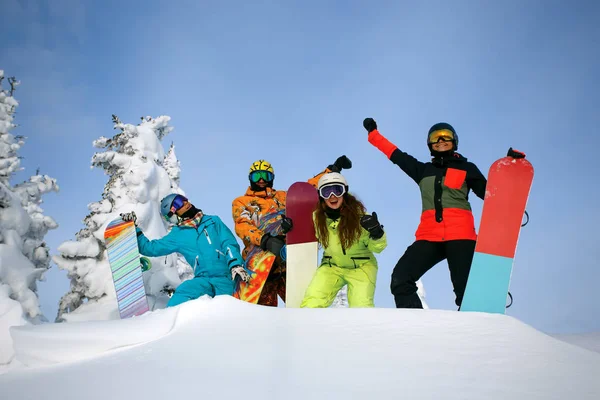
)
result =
(265, 193)
(451, 159)
(192, 222)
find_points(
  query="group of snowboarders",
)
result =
(348, 235)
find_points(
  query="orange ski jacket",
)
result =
(248, 210)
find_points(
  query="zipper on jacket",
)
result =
(207, 237)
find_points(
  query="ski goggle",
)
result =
(256, 176)
(177, 203)
(336, 189)
(445, 135)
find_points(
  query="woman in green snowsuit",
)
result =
(349, 238)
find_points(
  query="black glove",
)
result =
(370, 223)
(341, 163)
(274, 244)
(286, 224)
(515, 153)
(370, 124)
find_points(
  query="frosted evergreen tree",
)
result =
(31, 192)
(24, 256)
(140, 174)
(171, 165)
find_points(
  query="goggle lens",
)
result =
(336, 190)
(256, 176)
(177, 203)
(445, 135)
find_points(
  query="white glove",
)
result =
(241, 272)
(130, 216)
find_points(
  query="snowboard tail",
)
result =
(507, 191)
(125, 265)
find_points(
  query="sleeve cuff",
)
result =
(379, 141)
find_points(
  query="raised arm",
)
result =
(410, 165)
(342, 162)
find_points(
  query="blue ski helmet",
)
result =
(171, 200)
(442, 126)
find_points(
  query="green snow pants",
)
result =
(328, 280)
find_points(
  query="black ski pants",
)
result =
(420, 257)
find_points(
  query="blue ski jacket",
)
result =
(209, 247)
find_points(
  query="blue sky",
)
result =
(291, 82)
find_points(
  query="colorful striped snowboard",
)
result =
(301, 243)
(124, 259)
(507, 191)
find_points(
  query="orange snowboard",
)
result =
(259, 262)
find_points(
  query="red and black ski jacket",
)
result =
(444, 184)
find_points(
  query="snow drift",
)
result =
(224, 348)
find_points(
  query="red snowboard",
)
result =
(302, 248)
(507, 191)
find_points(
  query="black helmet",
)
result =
(443, 126)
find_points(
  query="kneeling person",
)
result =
(206, 243)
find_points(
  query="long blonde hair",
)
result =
(349, 227)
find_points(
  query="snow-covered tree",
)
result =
(140, 174)
(171, 164)
(24, 256)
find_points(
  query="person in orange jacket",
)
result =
(261, 201)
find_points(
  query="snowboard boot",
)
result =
(408, 301)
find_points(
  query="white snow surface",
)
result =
(221, 348)
(590, 341)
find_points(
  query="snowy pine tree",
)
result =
(24, 256)
(171, 164)
(140, 174)
(31, 192)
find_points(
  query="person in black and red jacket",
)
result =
(447, 229)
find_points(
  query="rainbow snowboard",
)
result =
(302, 246)
(124, 259)
(507, 191)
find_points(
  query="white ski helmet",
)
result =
(332, 177)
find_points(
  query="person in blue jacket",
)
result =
(206, 243)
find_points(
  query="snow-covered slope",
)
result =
(589, 341)
(222, 348)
